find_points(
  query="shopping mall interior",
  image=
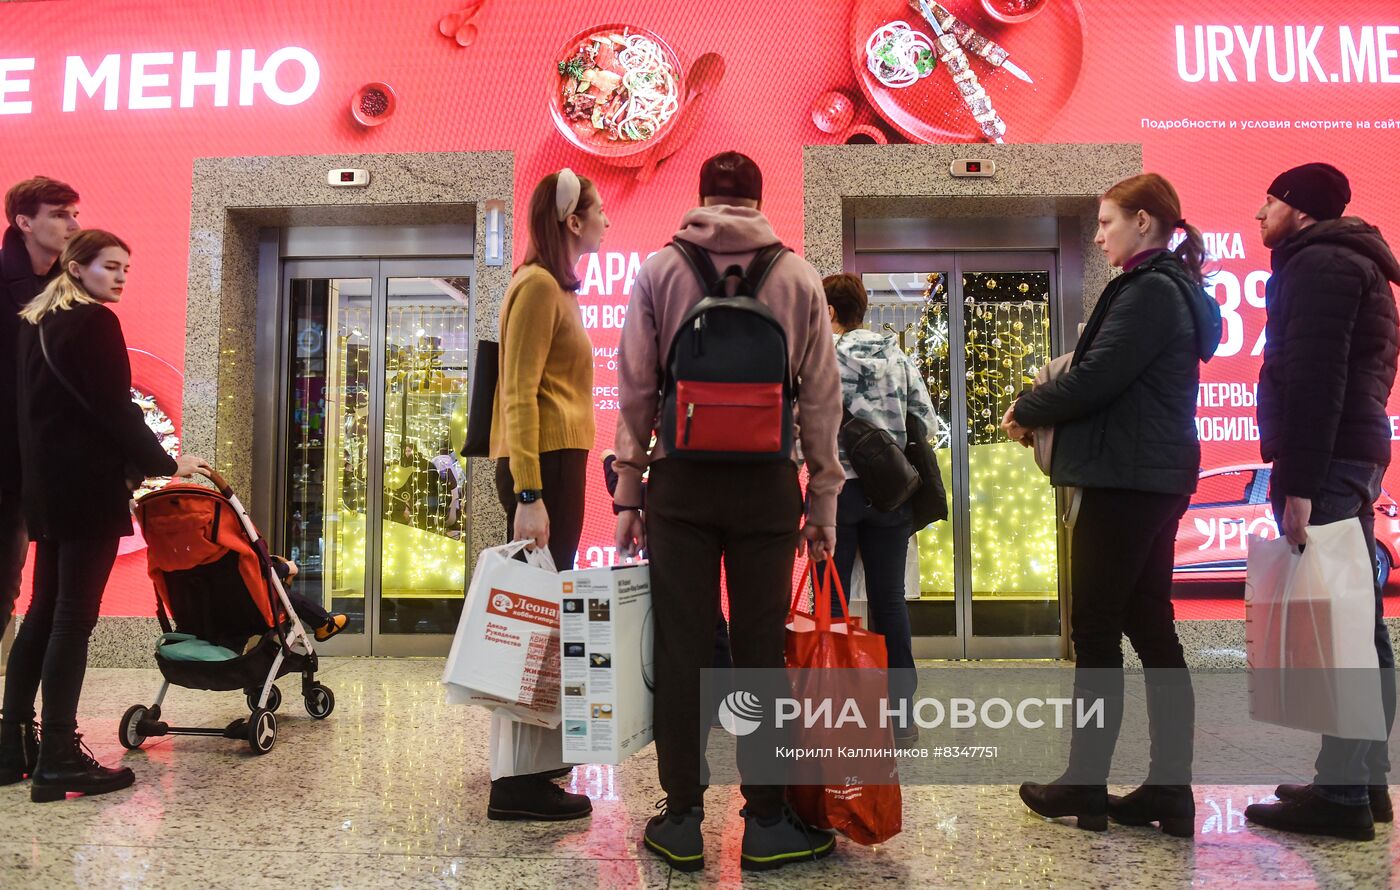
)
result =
(326, 203)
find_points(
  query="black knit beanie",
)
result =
(1319, 190)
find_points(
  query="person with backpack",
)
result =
(880, 388)
(1124, 416)
(727, 345)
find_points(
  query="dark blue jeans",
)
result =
(1346, 766)
(883, 542)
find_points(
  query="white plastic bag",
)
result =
(506, 650)
(520, 749)
(1309, 629)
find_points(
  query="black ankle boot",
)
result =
(66, 767)
(1087, 803)
(1173, 807)
(19, 750)
(534, 798)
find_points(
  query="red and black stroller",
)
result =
(234, 627)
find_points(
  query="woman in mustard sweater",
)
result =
(542, 429)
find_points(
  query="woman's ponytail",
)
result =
(1192, 253)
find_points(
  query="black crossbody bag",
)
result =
(134, 477)
(886, 476)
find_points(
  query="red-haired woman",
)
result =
(1125, 433)
(541, 432)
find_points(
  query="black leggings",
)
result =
(1121, 573)
(565, 476)
(52, 644)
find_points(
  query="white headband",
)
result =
(566, 192)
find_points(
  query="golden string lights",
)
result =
(1006, 339)
(424, 391)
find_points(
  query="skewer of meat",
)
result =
(973, 96)
(989, 50)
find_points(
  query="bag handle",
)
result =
(539, 557)
(822, 589)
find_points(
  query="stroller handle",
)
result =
(212, 475)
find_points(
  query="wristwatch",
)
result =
(618, 509)
(529, 495)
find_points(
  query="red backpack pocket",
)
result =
(740, 417)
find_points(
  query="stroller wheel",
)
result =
(128, 733)
(274, 698)
(262, 730)
(320, 701)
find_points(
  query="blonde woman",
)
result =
(82, 440)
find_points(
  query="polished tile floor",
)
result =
(391, 792)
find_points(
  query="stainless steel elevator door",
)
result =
(373, 500)
(986, 583)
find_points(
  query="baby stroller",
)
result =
(237, 630)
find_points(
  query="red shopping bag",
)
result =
(865, 813)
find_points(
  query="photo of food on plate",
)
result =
(618, 88)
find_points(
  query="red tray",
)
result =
(1049, 47)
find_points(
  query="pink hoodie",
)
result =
(666, 289)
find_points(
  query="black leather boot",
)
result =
(19, 750)
(1381, 809)
(1087, 803)
(534, 798)
(1173, 807)
(1166, 797)
(1082, 791)
(66, 766)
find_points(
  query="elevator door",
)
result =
(986, 583)
(374, 498)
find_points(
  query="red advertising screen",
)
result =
(118, 97)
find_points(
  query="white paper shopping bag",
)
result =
(1309, 632)
(507, 642)
(461, 695)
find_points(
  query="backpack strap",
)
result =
(703, 266)
(761, 265)
(700, 263)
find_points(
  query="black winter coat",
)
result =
(75, 462)
(1330, 353)
(1125, 412)
(18, 285)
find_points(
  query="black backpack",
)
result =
(728, 393)
(887, 477)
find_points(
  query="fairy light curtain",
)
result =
(1006, 340)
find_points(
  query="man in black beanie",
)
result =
(1329, 364)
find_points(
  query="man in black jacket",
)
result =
(42, 215)
(1329, 364)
